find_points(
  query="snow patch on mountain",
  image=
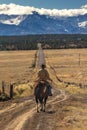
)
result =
(82, 24)
(13, 21)
(66, 30)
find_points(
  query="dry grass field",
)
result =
(14, 65)
(67, 110)
(70, 65)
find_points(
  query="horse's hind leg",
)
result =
(44, 104)
(41, 105)
(37, 108)
(37, 105)
(44, 107)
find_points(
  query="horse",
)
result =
(41, 96)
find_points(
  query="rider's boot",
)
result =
(49, 91)
(36, 90)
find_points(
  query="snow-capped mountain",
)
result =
(20, 20)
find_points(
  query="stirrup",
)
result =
(50, 94)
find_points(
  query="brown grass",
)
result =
(15, 66)
(68, 64)
(70, 114)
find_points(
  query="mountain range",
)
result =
(36, 23)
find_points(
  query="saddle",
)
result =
(40, 85)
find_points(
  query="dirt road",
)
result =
(22, 115)
(63, 112)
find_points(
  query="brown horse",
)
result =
(41, 96)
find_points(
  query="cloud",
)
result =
(84, 7)
(13, 9)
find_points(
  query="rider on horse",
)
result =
(43, 76)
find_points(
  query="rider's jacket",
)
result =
(43, 75)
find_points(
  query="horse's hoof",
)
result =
(41, 110)
(37, 111)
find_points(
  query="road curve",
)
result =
(23, 115)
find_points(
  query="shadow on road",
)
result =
(51, 112)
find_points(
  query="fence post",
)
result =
(79, 60)
(11, 91)
(3, 87)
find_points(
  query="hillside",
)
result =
(25, 20)
(42, 24)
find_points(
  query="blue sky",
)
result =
(49, 4)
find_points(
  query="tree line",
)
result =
(52, 41)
